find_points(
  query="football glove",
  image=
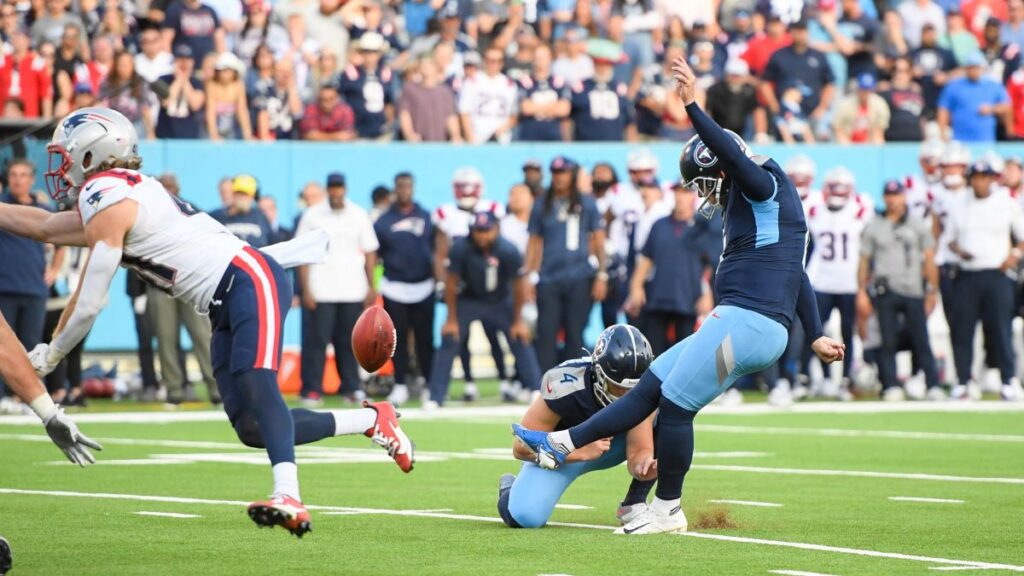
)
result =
(65, 435)
(44, 359)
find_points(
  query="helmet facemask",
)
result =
(467, 195)
(710, 189)
(607, 390)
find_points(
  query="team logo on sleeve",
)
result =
(703, 156)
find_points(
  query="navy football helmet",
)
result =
(621, 356)
(699, 168)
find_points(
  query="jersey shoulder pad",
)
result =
(564, 380)
(104, 190)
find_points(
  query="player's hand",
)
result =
(371, 298)
(929, 303)
(646, 468)
(705, 304)
(591, 451)
(520, 331)
(635, 303)
(44, 359)
(308, 301)
(450, 328)
(686, 82)
(864, 307)
(599, 290)
(65, 435)
(828, 350)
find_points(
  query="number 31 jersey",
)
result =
(836, 253)
(172, 245)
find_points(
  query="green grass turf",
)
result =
(61, 535)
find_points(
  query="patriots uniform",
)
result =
(368, 93)
(455, 222)
(920, 196)
(836, 235)
(942, 204)
(540, 91)
(600, 112)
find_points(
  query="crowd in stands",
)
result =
(848, 71)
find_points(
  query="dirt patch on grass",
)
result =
(714, 518)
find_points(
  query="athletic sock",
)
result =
(664, 507)
(277, 429)
(286, 480)
(353, 421)
(675, 449)
(562, 441)
(638, 492)
(312, 426)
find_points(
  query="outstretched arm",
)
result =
(62, 228)
(757, 184)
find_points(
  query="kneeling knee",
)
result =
(249, 432)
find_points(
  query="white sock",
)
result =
(286, 480)
(353, 421)
(664, 507)
(562, 441)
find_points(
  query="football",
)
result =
(373, 338)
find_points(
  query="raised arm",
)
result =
(61, 228)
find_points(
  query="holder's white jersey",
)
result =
(836, 233)
(172, 245)
(455, 222)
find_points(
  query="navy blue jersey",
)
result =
(176, 119)
(541, 91)
(648, 122)
(251, 226)
(368, 93)
(808, 71)
(600, 112)
(406, 244)
(24, 261)
(568, 390)
(485, 276)
(566, 233)
(679, 251)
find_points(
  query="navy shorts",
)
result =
(248, 312)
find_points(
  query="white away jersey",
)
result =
(489, 102)
(942, 204)
(920, 197)
(836, 255)
(455, 222)
(172, 245)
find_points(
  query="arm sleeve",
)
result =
(756, 183)
(92, 296)
(807, 309)
(536, 225)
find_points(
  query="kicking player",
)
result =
(760, 285)
(570, 393)
(129, 219)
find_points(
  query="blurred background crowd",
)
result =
(848, 71)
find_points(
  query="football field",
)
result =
(840, 490)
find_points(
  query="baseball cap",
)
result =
(335, 179)
(893, 187)
(372, 42)
(244, 184)
(603, 51)
(484, 221)
(532, 164)
(800, 24)
(737, 67)
(183, 51)
(449, 10)
(975, 58)
(866, 81)
(471, 59)
(562, 164)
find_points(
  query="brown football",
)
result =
(373, 338)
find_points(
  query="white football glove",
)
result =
(65, 435)
(44, 359)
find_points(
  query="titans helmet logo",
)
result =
(704, 157)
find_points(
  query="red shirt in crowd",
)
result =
(27, 80)
(1015, 87)
(760, 49)
(339, 119)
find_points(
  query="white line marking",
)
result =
(167, 514)
(797, 573)
(472, 518)
(927, 500)
(858, 474)
(843, 433)
(357, 513)
(952, 568)
(748, 503)
(573, 507)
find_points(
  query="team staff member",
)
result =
(980, 228)
(487, 269)
(242, 217)
(406, 238)
(896, 251)
(565, 232)
(668, 287)
(336, 291)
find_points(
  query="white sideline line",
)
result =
(748, 503)
(844, 433)
(167, 514)
(858, 474)
(926, 500)
(952, 568)
(573, 507)
(801, 573)
(472, 518)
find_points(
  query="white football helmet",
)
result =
(956, 154)
(642, 160)
(801, 171)
(468, 185)
(82, 141)
(838, 187)
(930, 157)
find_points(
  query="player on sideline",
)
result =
(570, 393)
(130, 220)
(760, 286)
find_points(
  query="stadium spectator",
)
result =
(196, 24)
(181, 110)
(896, 253)
(120, 26)
(764, 44)
(10, 23)
(24, 78)
(426, 108)
(906, 104)
(367, 85)
(240, 217)
(69, 70)
(533, 177)
(861, 117)
(854, 35)
(565, 231)
(335, 306)
(640, 23)
(601, 110)
(933, 68)
(1013, 177)
(516, 222)
(260, 75)
(1012, 31)
(227, 108)
(969, 106)
(168, 316)
(326, 71)
(406, 249)
(791, 122)
(55, 19)
(278, 114)
(978, 13)
(382, 199)
(487, 103)
(449, 32)
(102, 61)
(328, 119)
(303, 54)
(799, 65)
(365, 16)
(980, 226)
(891, 43)
(1003, 59)
(958, 38)
(668, 289)
(129, 94)
(732, 102)
(154, 62)
(659, 111)
(542, 101)
(278, 233)
(258, 30)
(916, 15)
(575, 65)
(739, 31)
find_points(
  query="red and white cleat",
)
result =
(283, 511)
(387, 433)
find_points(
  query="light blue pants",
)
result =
(732, 342)
(536, 490)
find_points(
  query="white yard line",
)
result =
(843, 433)
(748, 503)
(472, 518)
(573, 507)
(925, 500)
(858, 474)
(797, 573)
(954, 568)
(167, 514)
